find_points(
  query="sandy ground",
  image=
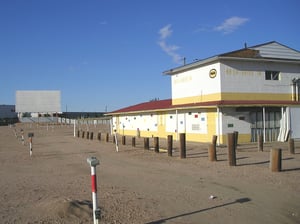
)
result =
(141, 186)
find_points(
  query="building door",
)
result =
(268, 125)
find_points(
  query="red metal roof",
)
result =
(146, 106)
(167, 105)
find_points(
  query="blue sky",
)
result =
(109, 54)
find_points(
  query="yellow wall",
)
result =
(242, 138)
(232, 96)
(195, 137)
(256, 96)
(197, 99)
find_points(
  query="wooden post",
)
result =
(107, 137)
(214, 140)
(146, 143)
(291, 146)
(275, 160)
(212, 154)
(82, 134)
(236, 139)
(170, 145)
(133, 142)
(260, 143)
(99, 136)
(182, 146)
(87, 135)
(91, 135)
(231, 149)
(156, 144)
(78, 134)
(123, 140)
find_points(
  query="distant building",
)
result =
(254, 90)
(8, 114)
(78, 115)
(7, 111)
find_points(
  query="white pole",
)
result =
(116, 140)
(96, 211)
(30, 146)
(177, 132)
(94, 192)
(264, 123)
(219, 124)
(74, 128)
(22, 137)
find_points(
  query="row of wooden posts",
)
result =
(232, 140)
(90, 136)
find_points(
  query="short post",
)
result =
(156, 144)
(214, 140)
(236, 138)
(170, 145)
(30, 136)
(78, 134)
(133, 142)
(212, 153)
(146, 143)
(182, 146)
(231, 149)
(93, 162)
(107, 137)
(91, 135)
(260, 143)
(291, 146)
(99, 136)
(87, 135)
(82, 134)
(275, 160)
(123, 140)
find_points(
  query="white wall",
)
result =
(249, 77)
(235, 121)
(196, 82)
(143, 122)
(171, 121)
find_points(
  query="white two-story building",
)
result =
(254, 90)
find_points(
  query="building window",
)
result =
(272, 75)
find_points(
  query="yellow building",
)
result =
(253, 91)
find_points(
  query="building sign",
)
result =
(212, 73)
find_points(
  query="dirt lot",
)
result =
(141, 186)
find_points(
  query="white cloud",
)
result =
(103, 22)
(170, 50)
(165, 32)
(231, 24)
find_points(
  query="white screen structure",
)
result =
(295, 124)
(38, 101)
